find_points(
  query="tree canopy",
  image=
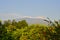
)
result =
(12, 30)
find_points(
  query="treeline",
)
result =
(12, 30)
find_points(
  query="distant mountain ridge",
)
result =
(33, 20)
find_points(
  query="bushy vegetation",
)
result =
(12, 30)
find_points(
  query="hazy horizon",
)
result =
(10, 9)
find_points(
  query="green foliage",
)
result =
(22, 24)
(12, 30)
(7, 23)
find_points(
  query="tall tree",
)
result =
(22, 24)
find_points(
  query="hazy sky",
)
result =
(14, 8)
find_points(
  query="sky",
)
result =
(10, 9)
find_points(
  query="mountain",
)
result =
(33, 20)
(59, 21)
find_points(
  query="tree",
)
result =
(3, 32)
(22, 24)
(0, 23)
(14, 23)
(7, 23)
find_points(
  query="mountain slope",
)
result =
(33, 20)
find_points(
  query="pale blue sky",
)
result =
(47, 8)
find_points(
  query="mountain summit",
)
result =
(33, 20)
